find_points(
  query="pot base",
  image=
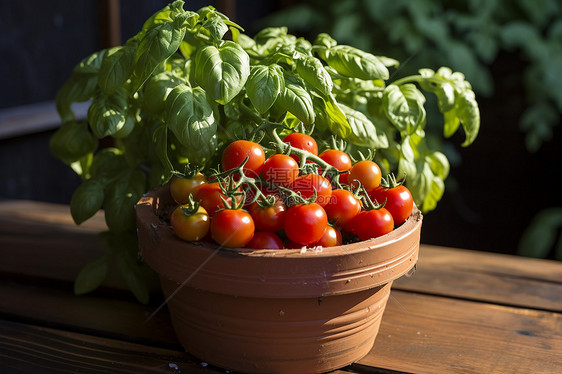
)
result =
(274, 335)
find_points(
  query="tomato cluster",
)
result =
(280, 201)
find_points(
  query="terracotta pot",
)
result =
(274, 311)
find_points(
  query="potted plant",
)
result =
(175, 103)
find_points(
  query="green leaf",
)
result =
(216, 27)
(160, 142)
(264, 85)
(159, 42)
(439, 164)
(296, 100)
(469, 116)
(311, 70)
(80, 87)
(134, 274)
(330, 116)
(86, 200)
(363, 132)
(108, 163)
(222, 71)
(354, 63)
(403, 106)
(72, 141)
(91, 276)
(121, 197)
(116, 67)
(156, 91)
(190, 117)
(108, 113)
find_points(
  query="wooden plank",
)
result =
(500, 279)
(115, 317)
(35, 349)
(431, 334)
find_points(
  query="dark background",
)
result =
(495, 189)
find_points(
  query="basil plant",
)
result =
(178, 91)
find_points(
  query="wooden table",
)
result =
(461, 312)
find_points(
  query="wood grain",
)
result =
(432, 334)
(501, 279)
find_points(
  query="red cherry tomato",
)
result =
(280, 169)
(399, 201)
(268, 218)
(232, 228)
(191, 227)
(302, 141)
(338, 159)
(331, 238)
(305, 223)
(373, 223)
(306, 184)
(235, 153)
(342, 208)
(180, 188)
(367, 172)
(265, 240)
(209, 195)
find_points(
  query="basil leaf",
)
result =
(160, 141)
(469, 116)
(403, 106)
(134, 272)
(439, 164)
(121, 197)
(72, 141)
(116, 67)
(354, 63)
(296, 100)
(80, 87)
(159, 42)
(363, 132)
(156, 91)
(86, 200)
(165, 14)
(108, 113)
(311, 70)
(108, 163)
(216, 27)
(190, 117)
(91, 276)
(330, 116)
(222, 71)
(264, 85)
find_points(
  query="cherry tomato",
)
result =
(373, 223)
(180, 188)
(268, 218)
(191, 227)
(399, 201)
(209, 195)
(342, 208)
(232, 228)
(330, 238)
(235, 153)
(367, 172)
(338, 159)
(305, 223)
(302, 141)
(265, 240)
(306, 184)
(280, 169)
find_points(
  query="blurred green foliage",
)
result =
(467, 35)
